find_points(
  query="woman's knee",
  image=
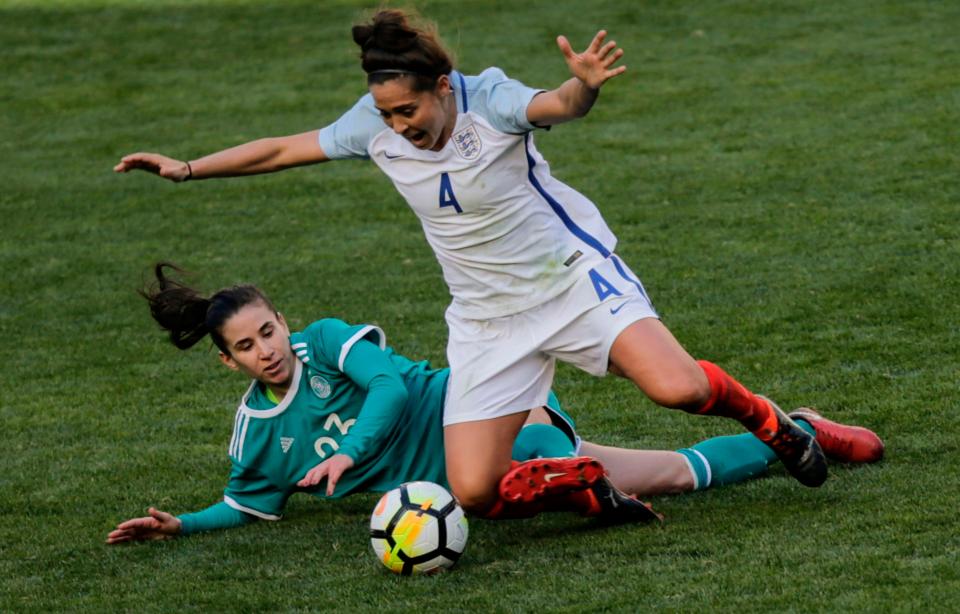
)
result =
(475, 493)
(649, 355)
(478, 456)
(687, 389)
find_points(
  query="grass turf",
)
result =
(782, 176)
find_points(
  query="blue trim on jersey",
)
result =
(580, 233)
(463, 91)
(623, 274)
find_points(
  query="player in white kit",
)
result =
(529, 261)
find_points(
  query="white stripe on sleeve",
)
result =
(360, 334)
(248, 510)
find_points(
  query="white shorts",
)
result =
(505, 365)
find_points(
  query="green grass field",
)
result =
(782, 175)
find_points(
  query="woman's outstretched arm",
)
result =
(575, 97)
(266, 155)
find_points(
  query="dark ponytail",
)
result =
(188, 316)
(391, 47)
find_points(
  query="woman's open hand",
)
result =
(168, 168)
(158, 525)
(332, 469)
(593, 66)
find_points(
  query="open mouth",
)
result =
(418, 138)
(274, 367)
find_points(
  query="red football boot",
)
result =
(534, 479)
(847, 444)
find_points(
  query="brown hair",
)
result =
(392, 47)
(188, 316)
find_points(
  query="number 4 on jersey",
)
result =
(447, 199)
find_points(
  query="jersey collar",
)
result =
(459, 85)
(284, 403)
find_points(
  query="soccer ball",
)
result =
(418, 527)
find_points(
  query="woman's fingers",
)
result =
(597, 41)
(565, 48)
(314, 476)
(332, 478)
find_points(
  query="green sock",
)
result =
(730, 459)
(541, 441)
(806, 426)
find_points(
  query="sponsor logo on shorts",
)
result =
(614, 310)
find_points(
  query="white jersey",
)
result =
(508, 236)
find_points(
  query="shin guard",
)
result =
(729, 398)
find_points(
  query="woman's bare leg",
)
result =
(648, 354)
(642, 472)
(478, 456)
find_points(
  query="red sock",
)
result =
(729, 398)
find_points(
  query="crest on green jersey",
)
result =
(320, 386)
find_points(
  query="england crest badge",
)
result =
(467, 142)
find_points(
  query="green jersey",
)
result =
(350, 394)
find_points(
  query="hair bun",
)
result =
(363, 36)
(392, 42)
(388, 32)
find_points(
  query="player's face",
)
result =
(259, 344)
(426, 119)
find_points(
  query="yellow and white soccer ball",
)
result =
(418, 527)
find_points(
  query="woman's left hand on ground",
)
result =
(593, 66)
(332, 469)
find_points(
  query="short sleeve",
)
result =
(330, 340)
(500, 100)
(349, 136)
(250, 492)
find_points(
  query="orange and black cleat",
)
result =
(797, 449)
(610, 505)
(840, 442)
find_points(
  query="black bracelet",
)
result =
(189, 172)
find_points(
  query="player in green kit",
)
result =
(346, 398)
(334, 404)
